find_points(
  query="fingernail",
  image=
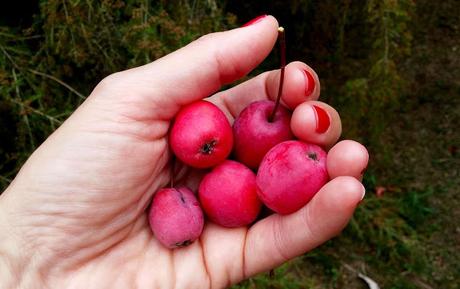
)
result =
(309, 83)
(255, 20)
(364, 192)
(322, 119)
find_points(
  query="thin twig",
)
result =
(5, 179)
(29, 37)
(72, 37)
(23, 112)
(387, 45)
(192, 12)
(16, 38)
(349, 268)
(9, 58)
(42, 74)
(58, 81)
(49, 117)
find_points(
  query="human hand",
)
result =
(74, 217)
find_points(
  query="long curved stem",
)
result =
(282, 43)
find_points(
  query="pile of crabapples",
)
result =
(269, 167)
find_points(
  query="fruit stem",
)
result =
(282, 43)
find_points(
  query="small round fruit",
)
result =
(290, 174)
(201, 135)
(255, 134)
(175, 217)
(228, 195)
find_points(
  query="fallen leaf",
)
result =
(379, 191)
(371, 283)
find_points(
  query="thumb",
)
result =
(195, 71)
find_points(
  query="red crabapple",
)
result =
(290, 174)
(255, 134)
(228, 195)
(175, 217)
(201, 135)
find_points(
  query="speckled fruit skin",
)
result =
(254, 135)
(176, 217)
(201, 135)
(228, 195)
(290, 174)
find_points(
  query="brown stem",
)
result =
(282, 43)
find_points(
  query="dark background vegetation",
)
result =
(390, 67)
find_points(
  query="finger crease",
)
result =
(243, 273)
(205, 265)
(173, 266)
(278, 238)
(306, 220)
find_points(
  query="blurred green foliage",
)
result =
(48, 68)
(390, 67)
(372, 98)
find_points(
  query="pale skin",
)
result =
(74, 216)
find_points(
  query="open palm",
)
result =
(74, 217)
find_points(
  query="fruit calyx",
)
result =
(282, 43)
(208, 147)
(183, 244)
(312, 156)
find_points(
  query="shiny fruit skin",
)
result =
(255, 135)
(201, 135)
(176, 217)
(228, 195)
(290, 174)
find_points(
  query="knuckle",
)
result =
(206, 38)
(111, 82)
